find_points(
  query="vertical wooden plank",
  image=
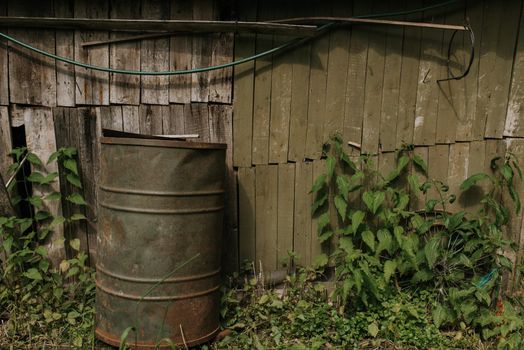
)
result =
(243, 90)
(198, 121)
(201, 55)
(373, 89)
(280, 101)
(418, 199)
(181, 47)
(40, 139)
(92, 87)
(299, 97)
(496, 66)
(407, 99)
(150, 119)
(337, 70)
(438, 162)
(358, 56)
(176, 123)
(65, 43)
(5, 143)
(428, 90)
(302, 218)
(4, 83)
(457, 172)
(131, 119)
(123, 88)
(220, 80)
(262, 91)
(452, 99)
(220, 130)
(154, 56)
(32, 77)
(514, 125)
(391, 86)
(266, 216)
(114, 119)
(468, 128)
(317, 90)
(286, 200)
(246, 214)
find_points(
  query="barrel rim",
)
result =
(169, 143)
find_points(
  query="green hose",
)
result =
(220, 66)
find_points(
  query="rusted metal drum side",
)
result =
(159, 206)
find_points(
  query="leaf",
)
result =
(263, 299)
(33, 159)
(33, 274)
(76, 217)
(70, 164)
(53, 196)
(74, 180)
(124, 336)
(367, 197)
(53, 157)
(507, 172)
(41, 250)
(320, 182)
(58, 220)
(369, 238)
(343, 186)
(24, 224)
(377, 201)
(318, 203)
(75, 244)
(320, 261)
(420, 163)
(385, 241)
(346, 244)
(341, 206)
(432, 251)
(422, 276)
(439, 315)
(356, 220)
(323, 222)
(42, 215)
(389, 269)
(64, 266)
(472, 180)
(345, 158)
(76, 199)
(413, 183)
(373, 329)
(330, 166)
(324, 236)
(430, 205)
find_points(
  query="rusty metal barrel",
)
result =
(161, 207)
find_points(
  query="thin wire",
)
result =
(286, 45)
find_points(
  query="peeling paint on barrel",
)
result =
(161, 203)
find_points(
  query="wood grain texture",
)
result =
(407, 99)
(428, 90)
(92, 87)
(246, 215)
(302, 234)
(221, 80)
(285, 219)
(5, 143)
(4, 60)
(496, 65)
(131, 119)
(201, 54)
(181, 47)
(150, 119)
(41, 140)
(65, 72)
(266, 215)
(514, 119)
(470, 199)
(356, 80)
(262, 101)
(124, 89)
(438, 163)
(176, 120)
(391, 86)
(32, 77)
(198, 121)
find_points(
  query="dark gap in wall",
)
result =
(23, 189)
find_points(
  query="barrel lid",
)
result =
(113, 137)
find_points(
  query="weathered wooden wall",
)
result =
(374, 84)
(377, 86)
(62, 105)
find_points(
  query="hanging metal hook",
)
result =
(467, 27)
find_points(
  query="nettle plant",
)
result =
(380, 246)
(41, 300)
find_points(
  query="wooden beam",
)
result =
(145, 25)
